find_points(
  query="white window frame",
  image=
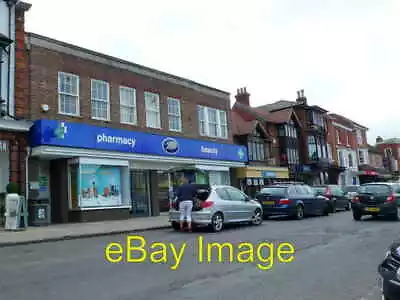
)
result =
(359, 137)
(329, 150)
(157, 111)
(68, 94)
(347, 140)
(128, 106)
(92, 81)
(175, 115)
(203, 118)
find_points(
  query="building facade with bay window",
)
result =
(107, 133)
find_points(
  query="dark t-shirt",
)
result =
(186, 192)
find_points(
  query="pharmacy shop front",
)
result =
(88, 173)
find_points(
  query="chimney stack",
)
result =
(300, 97)
(379, 139)
(243, 96)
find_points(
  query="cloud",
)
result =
(342, 52)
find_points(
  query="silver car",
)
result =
(224, 204)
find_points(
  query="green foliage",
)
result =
(12, 188)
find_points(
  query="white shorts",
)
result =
(185, 208)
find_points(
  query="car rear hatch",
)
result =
(374, 194)
(271, 196)
(203, 192)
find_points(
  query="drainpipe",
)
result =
(1, 69)
(28, 154)
(9, 4)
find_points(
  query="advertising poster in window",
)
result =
(100, 186)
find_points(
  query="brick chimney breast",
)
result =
(243, 96)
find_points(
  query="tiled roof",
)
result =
(278, 117)
(239, 125)
(281, 104)
(391, 141)
(345, 120)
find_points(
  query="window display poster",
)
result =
(100, 186)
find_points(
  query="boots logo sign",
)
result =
(170, 146)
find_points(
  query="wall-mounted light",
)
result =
(45, 107)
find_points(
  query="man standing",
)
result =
(186, 194)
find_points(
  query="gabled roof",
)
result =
(241, 126)
(278, 105)
(391, 141)
(343, 119)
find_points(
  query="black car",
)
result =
(338, 199)
(375, 199)
(389, 270)
(294, 200)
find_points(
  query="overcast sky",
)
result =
(344, 53)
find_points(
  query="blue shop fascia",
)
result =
(87, 173)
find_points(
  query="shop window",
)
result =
(96, 186)
(4, 171)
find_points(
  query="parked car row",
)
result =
(220, 205)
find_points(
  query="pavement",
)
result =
(40, 234)
(336, 258)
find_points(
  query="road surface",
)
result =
(336, 258)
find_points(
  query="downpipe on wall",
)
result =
(28, 155)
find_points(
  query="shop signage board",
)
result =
(79, 135)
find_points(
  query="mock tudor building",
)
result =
(314, 167)
(13, 96)
(107, 132)
(259, 133)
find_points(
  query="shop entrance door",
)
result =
(140, 192)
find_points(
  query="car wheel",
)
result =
(334, 207)
(348, 207)
(299, 212)
(176, 225)
(217, 222)
(357, 216)
(396, 217)
(257, 218)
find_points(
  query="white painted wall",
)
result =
(5, 69)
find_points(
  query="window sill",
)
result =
(70, 115)
(153, 127)
(127, 123)
(176, 130)
(100, 119)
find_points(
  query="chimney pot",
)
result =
(302, 93)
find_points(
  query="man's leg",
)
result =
(182, 214)
(188, 214)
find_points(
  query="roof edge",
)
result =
(149, 71)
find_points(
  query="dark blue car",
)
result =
(293, 200)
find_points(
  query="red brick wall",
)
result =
(21, 68)
(45, 65)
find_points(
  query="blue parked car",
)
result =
(293, 200)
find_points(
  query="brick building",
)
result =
(14, 96)
(343, 147)
(390, 148)
(259, 133)
(310, 123)
(108, 132)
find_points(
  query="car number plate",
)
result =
(372, 209)
(269, 202)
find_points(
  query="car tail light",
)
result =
(356, 199)
(328, 191)
(206, 204)
(284, 201)
(391, 198)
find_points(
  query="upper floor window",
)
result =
(341, 158)
(318, 119)
(127, 99)
(347, 140)
(212, 122)
(174, 114)
(359, 137)
(312, 148)
(329, 148)
(362, 157)
(152, 104)
(100, 100)
(293, 156)
(350, 160)
(257, 149)
(68, 94)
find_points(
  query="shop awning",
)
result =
(262, 172)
